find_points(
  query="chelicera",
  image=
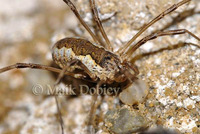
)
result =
(100, 62)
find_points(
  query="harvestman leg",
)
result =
(61, 72)
(85, 68)
(92, 76)
(43, 67)
(39, 66)
(136, 72)
(73, 8)
(92, 110)
(96, 30)
(106, 19)
(99, 24)
(169, 10)
(60, 76)
(155, 35)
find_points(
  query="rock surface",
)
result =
(125, 121)
(170, 65)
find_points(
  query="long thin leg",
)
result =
(61, 75)
(90, 129)
(169, 10)
(92, 75)
(39, 66)
(99, 24)
(96, 30)
(85, 68)
(108, 18)
(92, 110)
(155, 35)
(73, 8)
(60, 115)
(132, 72)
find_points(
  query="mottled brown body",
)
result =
(82, 47)
(103, 66)
(100, 63)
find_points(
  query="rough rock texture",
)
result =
(170, 65)
(125, 121)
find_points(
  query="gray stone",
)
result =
(125, 121)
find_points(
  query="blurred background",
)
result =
(29, 28)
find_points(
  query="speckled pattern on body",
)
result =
(170, 65)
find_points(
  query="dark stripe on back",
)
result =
(82, 47)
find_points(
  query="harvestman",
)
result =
(100, 63)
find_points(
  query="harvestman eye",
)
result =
(100, 64)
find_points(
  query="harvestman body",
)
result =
(97, 62)
(101, 64)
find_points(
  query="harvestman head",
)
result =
(105, 65)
